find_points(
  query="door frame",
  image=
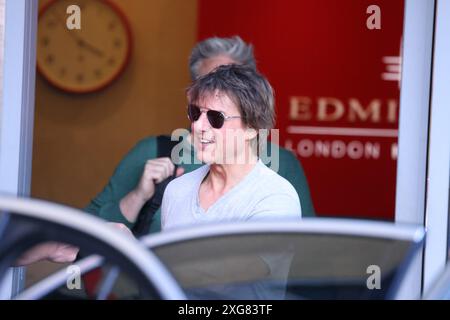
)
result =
(17, 109)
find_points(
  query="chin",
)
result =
(206, 157)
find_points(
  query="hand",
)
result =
(155, 171)
(62, 252)
(53, 251)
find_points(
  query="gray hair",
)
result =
(234, 47)
(248, 89)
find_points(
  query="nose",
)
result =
(202, 124)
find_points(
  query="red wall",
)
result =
(322, 52)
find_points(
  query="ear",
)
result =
(250, 134)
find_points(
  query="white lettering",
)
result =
(74, 277)
(374, 20)
(325, 104)
(300, 108)
(374, 280)
(74, 20)
(356, 111)
(336, 149)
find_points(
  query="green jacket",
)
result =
(128, 173)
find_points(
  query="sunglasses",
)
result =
(216, 118)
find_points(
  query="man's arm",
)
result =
(57, 251)
(52, 251)
(126, 177)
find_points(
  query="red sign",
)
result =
(336, 80)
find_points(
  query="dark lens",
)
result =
(194, 112)
(215, 118)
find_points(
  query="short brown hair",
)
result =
(247, 88)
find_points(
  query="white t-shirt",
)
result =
(261, 195)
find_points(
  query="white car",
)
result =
(316, 258)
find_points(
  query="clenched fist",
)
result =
(155, 171)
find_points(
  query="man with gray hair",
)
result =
(213, 52)
(134, 192)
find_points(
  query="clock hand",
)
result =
(82, 43)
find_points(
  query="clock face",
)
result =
(87, 59)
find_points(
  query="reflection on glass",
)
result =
(285, 266)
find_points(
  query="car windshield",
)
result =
(286, 266)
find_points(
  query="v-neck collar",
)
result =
(198, 208)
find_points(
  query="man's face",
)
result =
(226, 144)
(210, 64)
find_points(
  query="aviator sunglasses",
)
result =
(216, 118)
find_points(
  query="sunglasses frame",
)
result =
(210, 113)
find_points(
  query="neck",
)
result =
(223, 177)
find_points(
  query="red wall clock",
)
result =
(87, 59)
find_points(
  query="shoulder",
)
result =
(278, 197)
(147, 143)
(281, 160)
(186, 181)
(133, 161)
(287, 157)
(274, 183)
(283, 152)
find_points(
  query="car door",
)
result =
(309, 259)
(25, 223)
